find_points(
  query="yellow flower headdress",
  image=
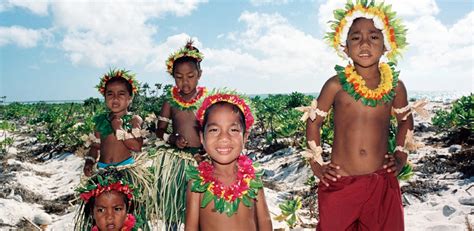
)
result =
(118, 73)
(187, 51)
(384, 18)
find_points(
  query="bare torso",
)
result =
(244, 219)
(113, 150)
(185, 124)
(360, 135)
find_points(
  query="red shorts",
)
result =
(366, 202)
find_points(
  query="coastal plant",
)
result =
(458, 122)
(6, 140)
(277, 118)
(289, 209)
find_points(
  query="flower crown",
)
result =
(118, 73)
(233, 98)
(394, 32)
(187, 51)
(108, 182)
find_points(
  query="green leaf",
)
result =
(207, 198)
(247, 201)
(256, 183)
(219, 204)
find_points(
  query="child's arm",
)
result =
(329, 171)
(163, 120)
(91, 156)
(192, 209)
(400, 157)
(264, 221)
(135, 142)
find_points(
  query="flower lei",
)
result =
(240, 101)
(106, 184)
(177, 101)
(104, 127)
(118, 73)
(227, 198)
(355, 86)
(187, 51)
(394, 33)
(127, 225)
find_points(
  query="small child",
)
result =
(107, 204)
(229, 179)
(358, 189)
(117, 132)
(178, 109)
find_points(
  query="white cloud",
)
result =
(162, 51)
(104, 33)
(269, 52)
(20, 36)
(39, 7)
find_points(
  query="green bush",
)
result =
(459, 121)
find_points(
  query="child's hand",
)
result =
(328, 173)
(116, 123)
(88, 168)
(181, 142)
(393, 164)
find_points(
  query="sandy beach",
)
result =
(434, 199)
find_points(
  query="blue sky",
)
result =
(57, 50)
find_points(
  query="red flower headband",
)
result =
(118, 73)
(234, 99)
(117, 186)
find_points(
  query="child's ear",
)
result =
(246, 136)
(201, 137)
(346, 50)
(199, 74)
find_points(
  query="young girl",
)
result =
(183, 145)
(225, 193)
(108, 204)
(118, 134)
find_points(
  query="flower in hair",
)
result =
(384, 19)
(187, 51)
(118, 73)
(240, 101)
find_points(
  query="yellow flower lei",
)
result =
(355, 85)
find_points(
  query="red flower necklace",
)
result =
(176, 100)
(226, 198)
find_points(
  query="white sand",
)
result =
(59, 176)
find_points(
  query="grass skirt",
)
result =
(169, 166)
(142, 207)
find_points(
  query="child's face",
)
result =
(186, 77)
(110, 211)
(223, 137)
(117, 97)
(364, 43)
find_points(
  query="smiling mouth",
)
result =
(363, 55)
(111, 226)
(225, 150)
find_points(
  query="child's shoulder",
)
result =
(332, 84)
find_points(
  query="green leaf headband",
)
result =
(394, 32)
(187, 51)
(118, 73)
